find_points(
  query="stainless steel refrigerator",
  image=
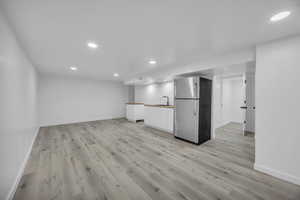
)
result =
(193, 96)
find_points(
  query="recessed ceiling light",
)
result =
(152, 62)
(92, 45)
(116, 75)
(280, 16)
(73, 68)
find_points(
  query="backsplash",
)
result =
(151, 94)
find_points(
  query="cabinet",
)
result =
(135, 112)
(159, 117)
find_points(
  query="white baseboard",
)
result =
(66, 122)
(277, 174)
(14, 187)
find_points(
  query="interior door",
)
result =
(244, 103)
(250, 103)
(186, 119)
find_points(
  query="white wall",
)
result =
(217, 120)
(18, 114)
(131, 93)
(67, 100)
(232, 99)
(151, 94)
(277, 114)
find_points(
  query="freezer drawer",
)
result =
(187, 87)
(186, 120)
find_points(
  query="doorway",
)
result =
(234, 102)
(234, 98)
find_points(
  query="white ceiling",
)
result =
(130, 32)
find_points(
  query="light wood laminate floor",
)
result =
(120, 160)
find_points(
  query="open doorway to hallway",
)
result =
(234, 99)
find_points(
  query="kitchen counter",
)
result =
(134, 103)
(160, 106)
